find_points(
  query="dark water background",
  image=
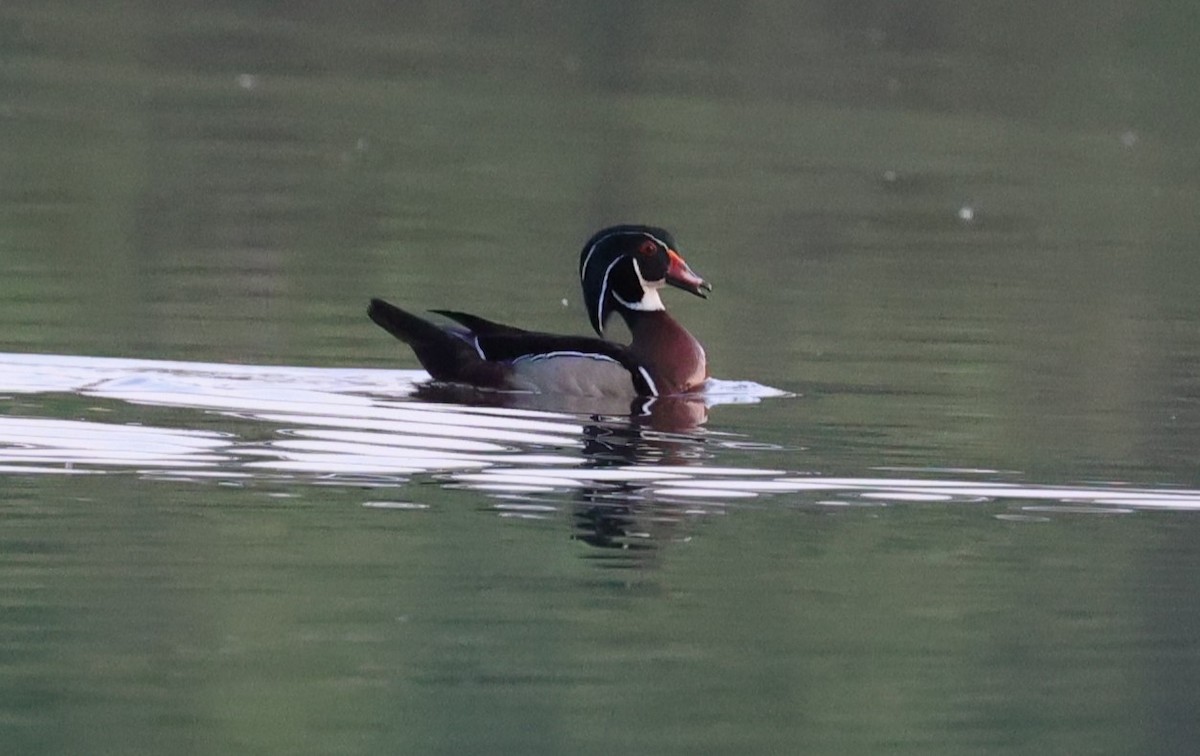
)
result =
(963, 234)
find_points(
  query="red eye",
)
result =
(648, 248)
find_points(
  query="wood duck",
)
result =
(621, 269)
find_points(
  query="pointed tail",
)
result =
(444, 354)
(405, 326)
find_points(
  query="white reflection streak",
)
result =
(266, 403)
(35, 430)
(323, 426)
(907, 489)
(71, 442)
(39, 470)
(407, 440)
(431, 429)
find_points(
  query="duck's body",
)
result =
(621, 270)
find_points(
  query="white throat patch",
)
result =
(650, 300)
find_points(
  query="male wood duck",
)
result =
(621, 269)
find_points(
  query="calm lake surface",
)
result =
(943, 496)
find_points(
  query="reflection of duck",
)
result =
(626, 442)
(621, 270)
(612, 510)
(621, 514)
(672, 414)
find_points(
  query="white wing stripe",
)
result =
(649, 381)
(563, 353)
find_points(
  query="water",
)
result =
(940, 498)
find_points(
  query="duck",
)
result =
(622, 271)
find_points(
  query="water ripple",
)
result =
(621, 475)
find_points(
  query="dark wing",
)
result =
(503, 342)
(496, 342)
(480, 326)
(513, 346)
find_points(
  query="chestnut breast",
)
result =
(675, 358)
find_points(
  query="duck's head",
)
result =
(623, 267)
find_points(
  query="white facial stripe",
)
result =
(648, 286)
(650, 300)
(604, 291)
(588, 257)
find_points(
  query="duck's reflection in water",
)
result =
(612, 507)
(671, 414)
(624, 516)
